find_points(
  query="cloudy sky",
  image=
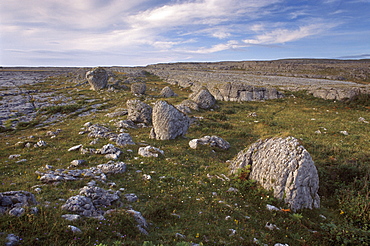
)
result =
(141, 32)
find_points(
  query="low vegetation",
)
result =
(188, 198)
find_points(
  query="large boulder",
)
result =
(139, 112)
(203, 98)
(284, 166)
(168, 122)
(97, 78)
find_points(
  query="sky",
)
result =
(142, 32)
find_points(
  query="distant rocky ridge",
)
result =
(328, 79)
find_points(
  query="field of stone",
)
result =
(230, 153)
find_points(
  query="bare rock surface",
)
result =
(283, 165)
(168, 122)
(139, 112)
(97, 78)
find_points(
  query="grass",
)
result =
(187, 195)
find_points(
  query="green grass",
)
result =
(187, 194)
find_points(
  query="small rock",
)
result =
(150, 151)
(77, 147)
(38, 190)
(271, 226)
(362, 119)
(131, 197)
(41, 143)
(345, 133)
(74, 229)
(76, 163)
(71, 217)
(272, 208)
(14, 156)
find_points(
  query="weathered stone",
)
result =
(283, 165)
(167, 92)
(16, 212)
(117, 113)
(76, 163)
(97, 78)
(74, 229)
(168, 122)
(12, 240)
(131, 197)
(203, 98)
(139, 111)
(190, 104)
(112, 167)
(76, 147)
(150, 151)
(109, 149)
(77, 204)
(212, 141)
(99, 131)
(138, 88)
(124, 139)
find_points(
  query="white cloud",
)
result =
(284, 35)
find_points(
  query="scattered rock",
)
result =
(168, 122)
(97, 78)
(14, 156)
(283, 165)
(272, 208)
(99, 131)
(126, 124)
(150, 151)
(139, 112)
(16, 212)
(167, 92)
(212, 141)
(131, 197)
(14, 202)
(203, 98)
(41, 143)
(110, 151)
(138, 88)
(345, 133)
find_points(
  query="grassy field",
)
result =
(187, 198)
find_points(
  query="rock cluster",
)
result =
(90, 201)
(97, 78)
(14, 202)
(283, 165)
(212, 141)
(98, 172)
(168, 122)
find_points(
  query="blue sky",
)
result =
(141, 32)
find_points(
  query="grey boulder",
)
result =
(97, 78)
(168, 122)
(139, 112)
(284, 166)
